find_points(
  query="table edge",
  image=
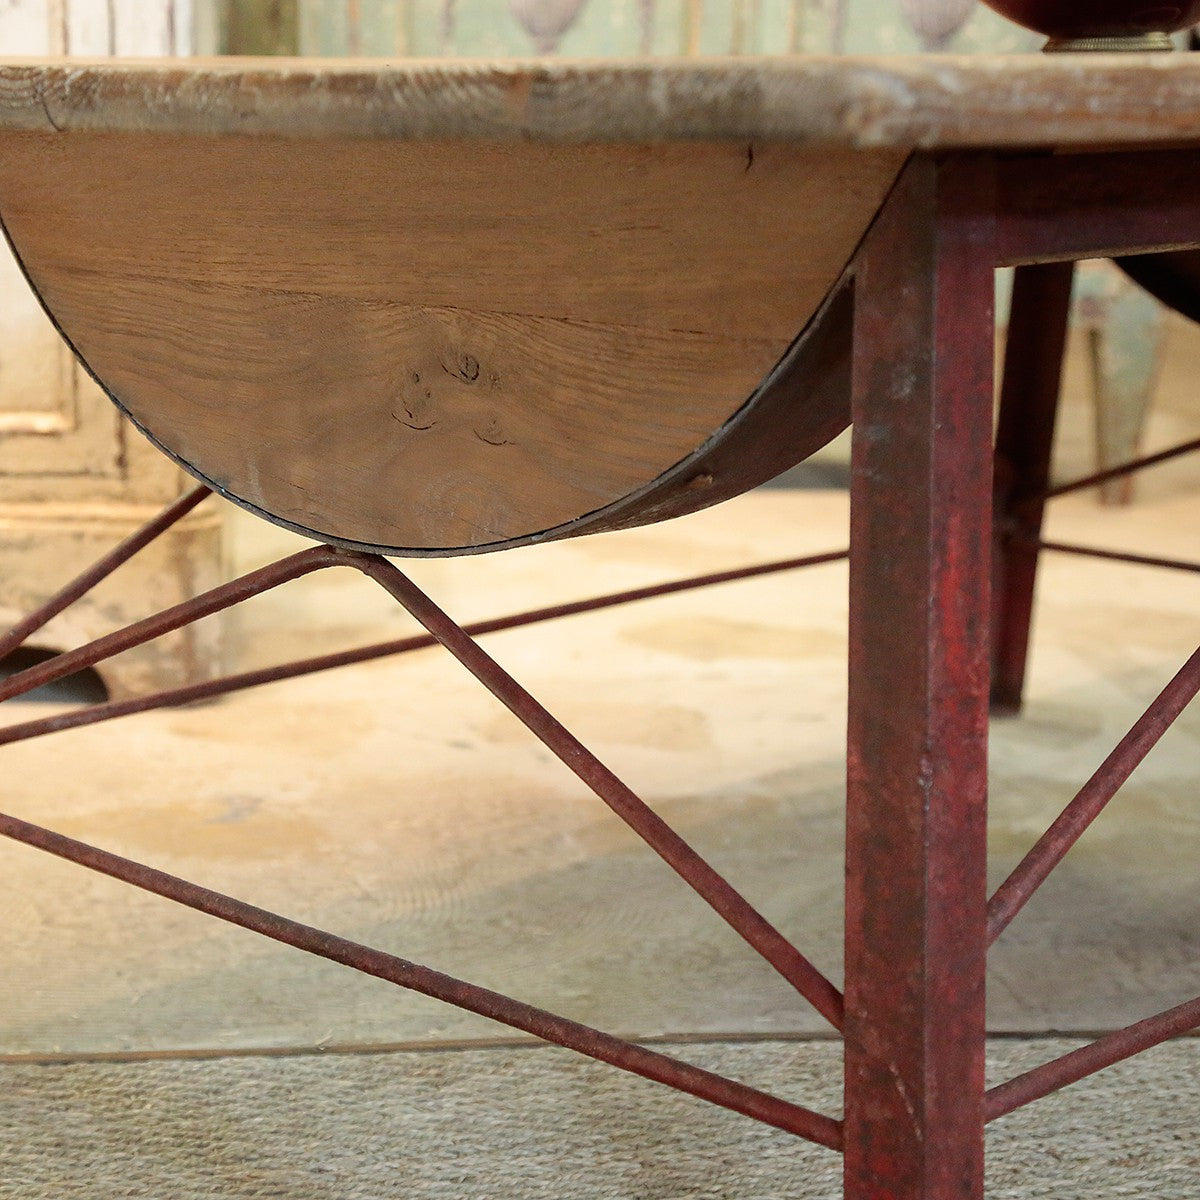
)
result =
(922, 102)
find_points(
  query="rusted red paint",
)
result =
(1037, 338)
(210, 689)
(548, 1026)
(1059, 208)
(917, 763)
(100, 570)
(721, 896)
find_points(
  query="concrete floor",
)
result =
(398, 804)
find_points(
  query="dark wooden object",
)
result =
(1072, 20)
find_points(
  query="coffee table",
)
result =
(450, 309)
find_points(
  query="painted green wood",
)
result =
(626, 27)
(258, 27)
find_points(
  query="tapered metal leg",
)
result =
(1037, 337)
(916, 914)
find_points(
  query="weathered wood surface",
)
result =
(75, 479)
(433, 345)
(921, 102)
(438, 308)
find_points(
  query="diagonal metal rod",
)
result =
(95, 713)
(137, 634)
(550, 1027)
(101, 569)
(1016, 891)
(726, 901)
(1140, 560)
(1087, 1060)
(1129, 468)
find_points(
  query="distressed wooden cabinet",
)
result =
(74, 477)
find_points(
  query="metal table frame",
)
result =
(945, 539)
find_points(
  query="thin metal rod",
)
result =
(545, 1025)
(1087, 1060)
(1140, 560)
(225, 596)
(174, 697)
(1129, 468)
(725, 900)
(1015, 892)
(101, 569)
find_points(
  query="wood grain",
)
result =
(942, 101)
(440, 307)
(432, 346)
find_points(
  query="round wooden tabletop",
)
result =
(448, 307)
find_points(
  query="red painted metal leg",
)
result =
(1037, 333)
(916, 900)
(724, 899)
